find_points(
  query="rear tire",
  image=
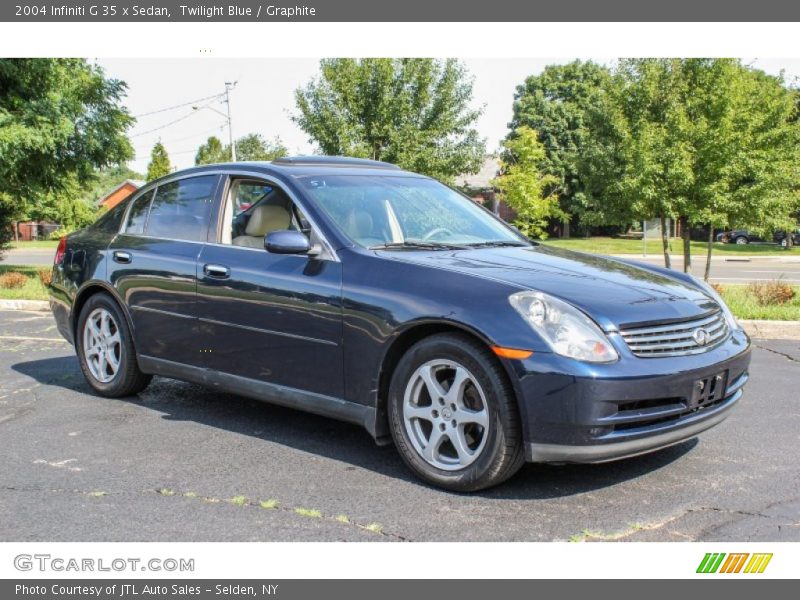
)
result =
(105, 349)
(453, 415)
(741, 240)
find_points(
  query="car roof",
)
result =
(304, 166)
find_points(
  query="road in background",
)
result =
(733, 270)
(28, 256)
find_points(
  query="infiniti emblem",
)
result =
(700, 336)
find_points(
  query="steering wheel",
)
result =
(433, 232)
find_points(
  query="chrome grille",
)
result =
(676, 339)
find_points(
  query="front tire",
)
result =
(453, 415)
(105, 349)
(741, 241)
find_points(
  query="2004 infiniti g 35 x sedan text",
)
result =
(359, 291)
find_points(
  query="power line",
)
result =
(161, 110)
(165, 125)
(219, 127)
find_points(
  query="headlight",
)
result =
(733, 324)
(567, 330)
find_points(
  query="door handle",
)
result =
(218, 271)
(122, 257)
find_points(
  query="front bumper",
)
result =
(573, 412)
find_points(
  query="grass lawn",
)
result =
(744, 305)
(608, 245)
(33, 288)
(34, 244)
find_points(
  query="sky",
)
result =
(263, 99)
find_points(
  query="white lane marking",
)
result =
(61, 464)
(21, 338)
(752, 279)
(32, 318)
(752, 271)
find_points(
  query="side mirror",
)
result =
(287, 242)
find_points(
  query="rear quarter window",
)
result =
(111, 221)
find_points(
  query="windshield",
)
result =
(406, 212)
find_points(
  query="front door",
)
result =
(272, 318)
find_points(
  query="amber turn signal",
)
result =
(511, 352)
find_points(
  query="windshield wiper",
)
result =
(419, 245)
(498, 244)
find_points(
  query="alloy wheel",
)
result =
(445, 414)
(102, 345)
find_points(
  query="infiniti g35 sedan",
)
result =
(356, 290)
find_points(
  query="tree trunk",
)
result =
(16, 231)
(687, 249)
(665, 242)
(708, 256)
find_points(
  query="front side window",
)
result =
(254, 209)
(181, 209)
(384, 211)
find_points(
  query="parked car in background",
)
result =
(743, 236)
(355, 290)
(737, 236)
(780, 237)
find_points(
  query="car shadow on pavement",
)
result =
(180, 401)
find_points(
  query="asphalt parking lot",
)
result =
(184, 463)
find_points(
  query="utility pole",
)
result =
(228, 87)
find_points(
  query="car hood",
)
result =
(612, 292)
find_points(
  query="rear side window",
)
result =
(111, 221)
(181, 209)
(137, 218)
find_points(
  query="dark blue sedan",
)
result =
(356, 290)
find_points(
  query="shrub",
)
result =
(718, 288)
(12, 280)
(59, 233)
(770, 293)
(45, 276)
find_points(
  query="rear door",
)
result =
(153, 265)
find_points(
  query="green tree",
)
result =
(707, 141)
(554, 104)
(67, 206)
(523, 187)
(60, 119)
(413, 112)
(638, 164)
(159, 163)
(254, 147)
(212, 152)
(746, 149)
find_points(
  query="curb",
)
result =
(772, 330)
(28, 305)
(714, 259)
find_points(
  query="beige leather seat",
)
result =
(359, 224)
(263, 220)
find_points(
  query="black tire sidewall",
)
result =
(488, 468)
(127, 358)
